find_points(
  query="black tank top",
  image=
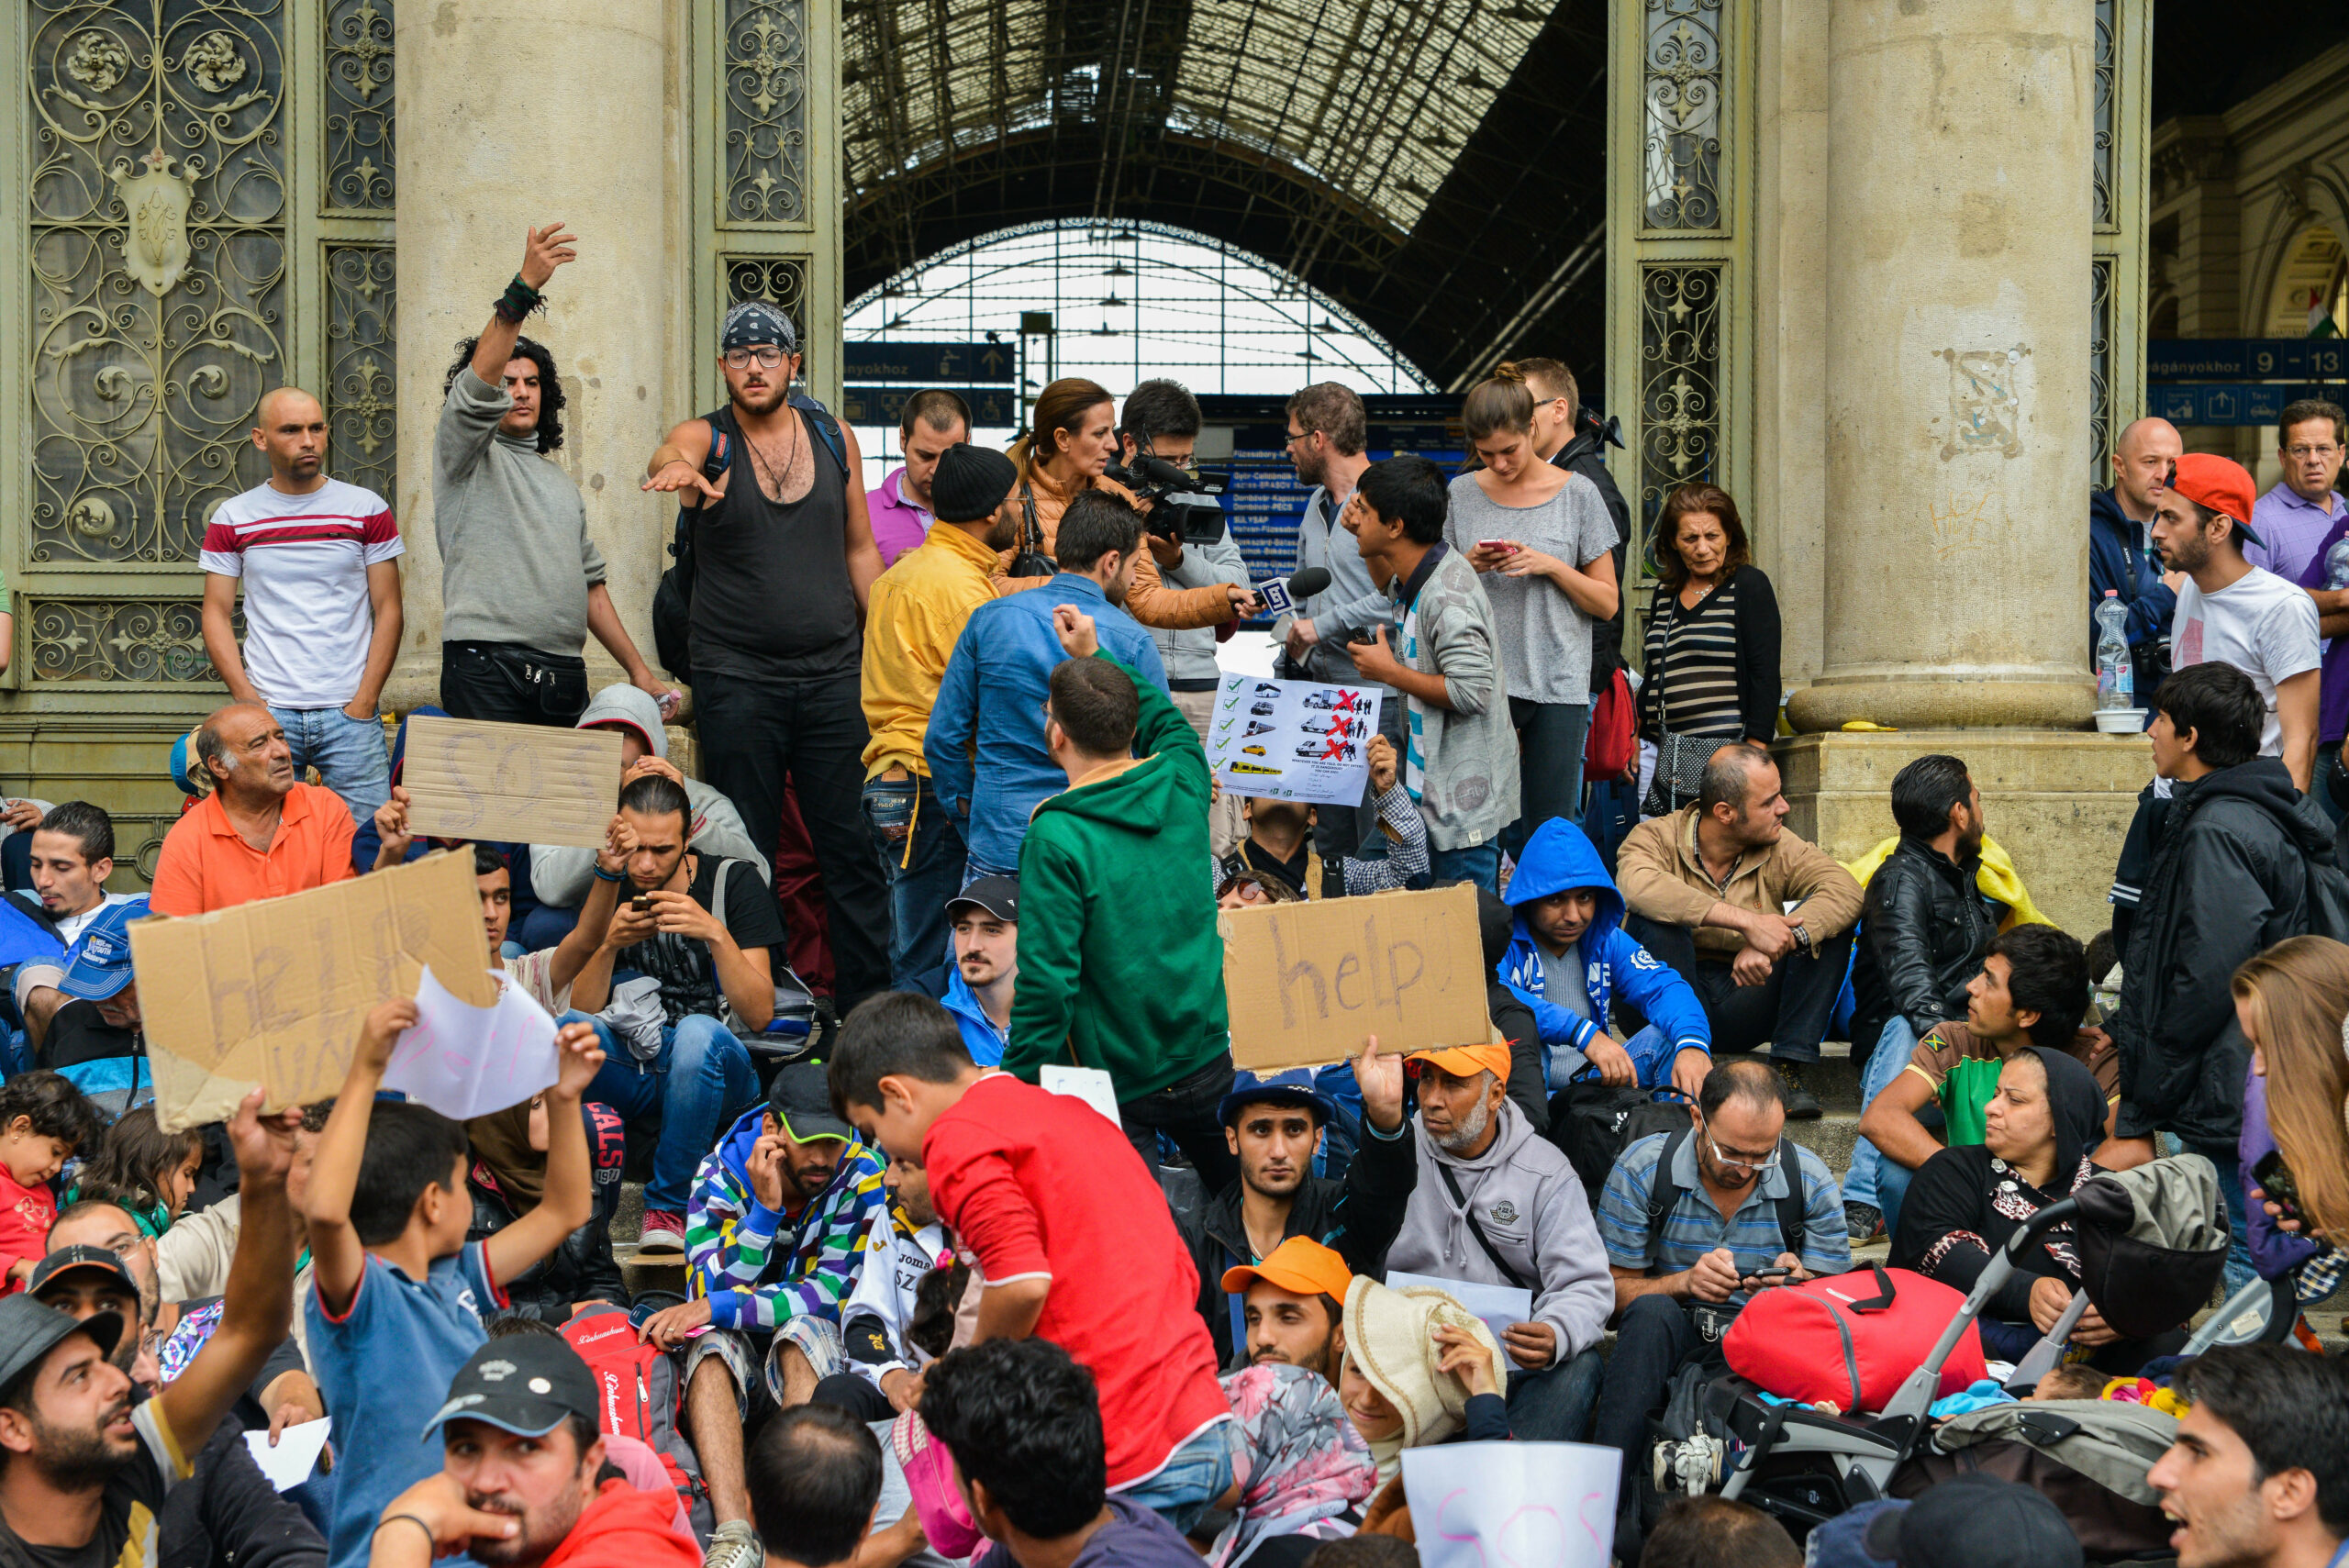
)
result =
(772, 596)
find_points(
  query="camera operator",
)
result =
(1162, 420)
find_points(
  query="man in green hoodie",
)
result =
(1120, 966)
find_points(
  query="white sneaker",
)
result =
(734, 1545)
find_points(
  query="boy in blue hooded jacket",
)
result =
(1567, 955)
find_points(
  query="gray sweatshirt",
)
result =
(511, 526)
(1469, 792)
(1189, 655)
(1531, 1204)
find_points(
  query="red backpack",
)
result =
(636, 1385)
(1611, 749)
(1850, 1340)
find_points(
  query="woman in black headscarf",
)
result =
(1966, 1203)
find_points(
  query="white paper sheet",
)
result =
(1526, 1505)
(1088, 1084)
(465, 1060)
(1498, 1305)
(290, 1462)
(1292, 740)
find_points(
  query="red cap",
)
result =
(2219, 484)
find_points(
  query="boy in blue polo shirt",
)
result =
(399, 1291)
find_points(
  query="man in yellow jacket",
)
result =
(918, 609)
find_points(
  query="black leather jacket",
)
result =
(583, 1268)
(1924, 927)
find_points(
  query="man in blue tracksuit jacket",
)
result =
(1569, 953)
(2122, 558)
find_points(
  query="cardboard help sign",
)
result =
(1303, 982)
(510, 782)
(274, 992)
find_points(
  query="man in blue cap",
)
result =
(1274, 1124)
(97, 1036)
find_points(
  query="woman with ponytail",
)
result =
(1062, 456)
(1542, 540)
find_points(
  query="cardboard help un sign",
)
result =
(510, 782)
(274, 992)
(1303, 982)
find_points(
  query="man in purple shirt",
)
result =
(2310, 442)
(2295, 517)
(934, 419)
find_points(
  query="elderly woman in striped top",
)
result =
(1712, 645)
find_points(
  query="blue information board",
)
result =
(950, 364)
(2230, 403)
(2246, 359)
(992, 408)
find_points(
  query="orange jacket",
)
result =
(1150, 600)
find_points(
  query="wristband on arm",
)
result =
(518, 300)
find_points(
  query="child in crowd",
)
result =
(1569, 955)
(44, 1120)
(1460, 758)
(150, 1172)
(2077, 1382)
(399, 1293)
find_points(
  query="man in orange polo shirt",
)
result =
(260, 833)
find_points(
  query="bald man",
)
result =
(2121, 554)
(315, 559)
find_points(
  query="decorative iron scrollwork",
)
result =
(2100, 338)
(1680, 148)
(2108, 79)
(765, 90)
(359, 105)
(1680, 352)
(360, 335)
(148, 641)
(155, 237)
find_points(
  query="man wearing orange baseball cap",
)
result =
(1475, 1194)
(2232, 612)
(1296, 1304)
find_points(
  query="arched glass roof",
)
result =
(1128, 300)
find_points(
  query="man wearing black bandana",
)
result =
(783, 560)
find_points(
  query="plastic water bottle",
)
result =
(2116, 676)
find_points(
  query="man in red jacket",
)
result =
(1069, 1230)
(521, 1485)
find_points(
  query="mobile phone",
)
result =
(2275, 1179)
(642, 903)
(1500, 544)
(1766, 1276)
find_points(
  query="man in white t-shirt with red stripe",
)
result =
(317, 562)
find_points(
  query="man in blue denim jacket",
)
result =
(985, 742)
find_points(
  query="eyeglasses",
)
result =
(1759, 1167)
(1300, 436)
(740, 359)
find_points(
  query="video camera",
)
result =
(1183, 506)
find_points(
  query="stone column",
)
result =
(515, 112)
(1959, 207)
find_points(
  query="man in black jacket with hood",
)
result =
(1924, 929)
(2235, 861)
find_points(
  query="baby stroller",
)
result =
(2153, 1245)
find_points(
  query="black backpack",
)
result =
(1594, 1123)
(673, 601)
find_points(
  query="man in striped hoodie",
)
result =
(772, 1237)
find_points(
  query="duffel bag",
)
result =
(1850, 1340)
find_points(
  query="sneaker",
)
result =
(1863, 1221)
(733, 1544)
(1801, 1104)
(664, 1235)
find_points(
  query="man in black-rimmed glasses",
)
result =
(1691, 1220)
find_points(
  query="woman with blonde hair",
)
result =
(1542, 541)
(1062, 456)
(2292, 1002)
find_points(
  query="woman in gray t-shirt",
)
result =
(1540, 536)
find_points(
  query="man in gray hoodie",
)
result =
(1473, 1193)
(521, 583)
(559, 875)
